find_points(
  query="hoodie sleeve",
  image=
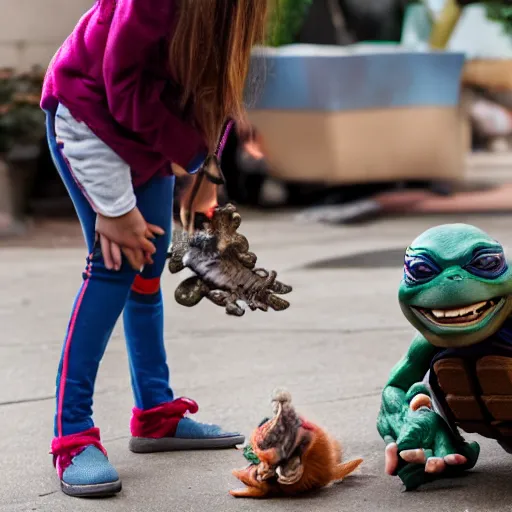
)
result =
(135, 98)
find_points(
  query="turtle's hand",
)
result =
(426, 448)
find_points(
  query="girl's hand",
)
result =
(129, 232)
(137, 259)
(111, 253)
(113, 259)
(204, 202)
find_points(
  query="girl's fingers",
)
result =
(146, 246)
(135, 258)
(187, 220)
(184, 218)
(115, 252)
(105, 251)
(156, 230)
(191, 222)
(205, 198)
(150, 235)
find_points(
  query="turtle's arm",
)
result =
(410, 370)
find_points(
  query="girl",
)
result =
(140, 91)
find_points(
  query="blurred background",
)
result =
(374, 120)
(362, 108)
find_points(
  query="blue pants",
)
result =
(103, 296)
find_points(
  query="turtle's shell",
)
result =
(473, 387)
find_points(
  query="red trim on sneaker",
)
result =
(65, 448)
(161, 421)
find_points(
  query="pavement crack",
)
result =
(346, 398)
(22, 401)
(305, 331)
(117, 438)
(44, 494)
(27, 400)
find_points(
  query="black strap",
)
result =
(204, 172)
(206, 169)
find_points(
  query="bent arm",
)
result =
(411, 369)
(103, 176)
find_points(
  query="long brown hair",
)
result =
(210, 55)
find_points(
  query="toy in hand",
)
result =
(289, 456)
(224, 268)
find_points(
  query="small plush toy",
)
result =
(289, 456)
(456, 291)
(224, 268)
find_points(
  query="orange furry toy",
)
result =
(289, 456)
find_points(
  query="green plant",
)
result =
(501, 13)
(286, 20)
(21, 118)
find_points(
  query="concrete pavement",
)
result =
(333, 349)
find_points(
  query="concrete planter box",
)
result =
(363, 114)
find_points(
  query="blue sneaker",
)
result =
(165, 429)
(87, 474)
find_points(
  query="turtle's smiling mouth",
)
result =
(462, 316)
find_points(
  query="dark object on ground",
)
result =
(224, 268)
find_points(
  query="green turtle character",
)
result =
(456, 291)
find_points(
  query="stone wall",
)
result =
(32, 30)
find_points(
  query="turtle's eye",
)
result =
(488, 264)
(419, 269)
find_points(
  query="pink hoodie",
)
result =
(112, 74)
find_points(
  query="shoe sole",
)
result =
(172, 444)
(92, 491)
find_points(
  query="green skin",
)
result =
(422, 437)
